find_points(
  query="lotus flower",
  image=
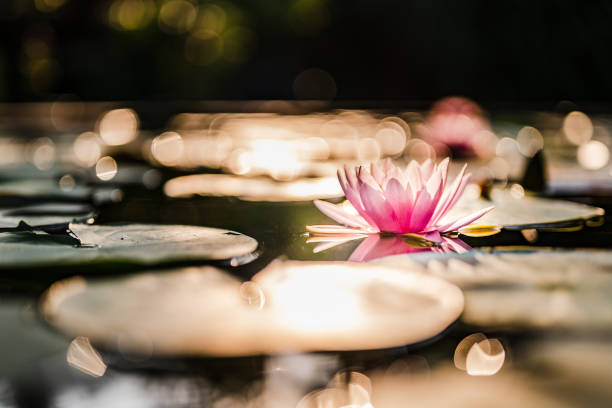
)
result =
(457, 122)
(388, 199)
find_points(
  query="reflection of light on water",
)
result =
(118, 126)
(12, 152)
(254, 189)
(463, 348)
(506, 147)
(87, 148)
(485, 358)
(82, 356)
(368, 149)
(577, 127)
(106, 168)
(593, 155)
(479, 356)
(391, 138)
(346, 390)
(529, 140)
(43, 153)
(66, 182)
(167, 148)
(252, 294)
(420, 150)
(517, 191)
(287, 147)
(499, 168)
(484, 143)
(314, 305)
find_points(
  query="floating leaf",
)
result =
(444, 387)
(297, 306)
(144, 244)
(45, 214)
(518, 212)
(566, 289)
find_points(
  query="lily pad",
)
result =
(142, 244)
(538, 289)
(45, 214)
(445, 387)
(289, 306)
(515, 211)
(253, 189)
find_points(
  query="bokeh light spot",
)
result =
(106, 168)
(577, 127)
(118, 127)
(177, 16)
(593, 155)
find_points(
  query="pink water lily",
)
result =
(388, 199)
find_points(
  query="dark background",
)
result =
(521, 52)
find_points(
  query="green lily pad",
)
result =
(141, 244)
(45, 214)
(296, 306)
(515, 211)
(538, 289)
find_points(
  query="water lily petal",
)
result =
(427, 169)
(448, 196)
(422, 211)
(338, 214)
(334, 230)
(350, 186)
(377, 173)
(433, 236)
(379, 209)
(413, 173)
(443, 169)
(456, 245)
(400, 200)
(468, 219)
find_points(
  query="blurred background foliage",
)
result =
(518, 51)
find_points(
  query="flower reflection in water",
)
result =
(380, 245)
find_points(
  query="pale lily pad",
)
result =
(142, 244)
(538, 289)
(445, 387)
(515, 211)
(253, 188)
(289, 306)
(45, 214)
